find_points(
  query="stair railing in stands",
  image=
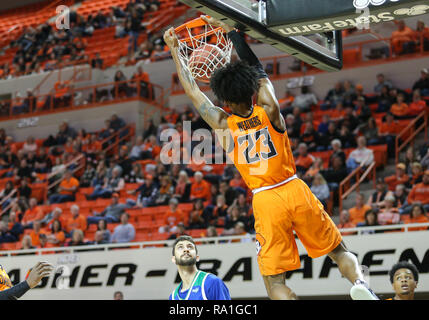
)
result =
(360, 174)
(9, 196)
(115, 139)
(413, 131)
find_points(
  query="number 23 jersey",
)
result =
(262, 153)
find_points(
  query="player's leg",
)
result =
(277, 289)
(349, 268)
(276, 248)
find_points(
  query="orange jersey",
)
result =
(5, 282)
(261, 154)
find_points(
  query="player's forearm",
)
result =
(15, 292)
(185, 76)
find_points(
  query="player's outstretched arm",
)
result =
(266, 95)
(214, 116)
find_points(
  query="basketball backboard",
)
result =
(307, 29)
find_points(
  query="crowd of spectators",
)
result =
(46, 48)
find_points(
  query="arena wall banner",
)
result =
(148, 273)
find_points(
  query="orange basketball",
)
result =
(204, 60)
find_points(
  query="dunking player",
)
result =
(260, 149)
(196, 284)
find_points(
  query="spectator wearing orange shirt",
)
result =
(418, 105)
(399, 178)
(388, 130)
(34, 213)
(418, 194)
(200, 189)
(140, 82)
(304, 160)
(57, 236)
(66, 190)
(357, 213)
(345, 222)
(35, 233)
(400, 109)
(237, 182)
(172, 217)
(417, 215)
(76, 221)
(403, 39)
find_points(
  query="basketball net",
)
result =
(203, 48)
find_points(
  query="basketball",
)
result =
(204, 60)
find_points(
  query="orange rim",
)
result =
(196, 23)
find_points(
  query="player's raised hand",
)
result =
(170, 39)
(216, 23)
(38, 272)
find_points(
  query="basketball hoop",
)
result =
(203, 48)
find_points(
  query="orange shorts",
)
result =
(281, 210)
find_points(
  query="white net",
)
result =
(204, 52)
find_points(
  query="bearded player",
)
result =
(196, 284)
(259, 147)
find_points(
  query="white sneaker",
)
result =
(360, 291)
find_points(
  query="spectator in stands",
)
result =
(304, 160)
(381, 82)
(348, 139)
(165, 191)
(55, 214)
(183, 187)
(24, 171)
(57, 236)
(115, 184)
(76, 222)
(305, 100)
(371, 220)
(116, 123)
(102, 229)
(361, 156)
(345, 222)
(200, 189)
(285, 103)
(26, 243)
(196, 219)
(24, 191)
(337, 151)
(111, 214)
(144, 51)
(121, 87)
(29, 145)
(389, 214)
(43, 163)
(417, 215)
(418, 194)
(310, 137)
(423, 83)
(320, 189)
(65, 131)
(34, 213)
(172, 217)
(349, 119)
(5, 234)
(87, 176)
(136, 175)
(400, 195)
(357, 213)
(136, 150)
(422, 35)
(35, 233)
(335, 174)
(240, 230)
(400, 177)
(315, 168)
(384, 100)
(141, 82)
(400, 109)
(147, 192)
(97, 62)
(322, 128)
(416, 173)
(67, 189)
(78, 239)
(370, 131)
(409, 158)
(125, 232)
(403, 39)
(418, 105)
(376, 200)
(388, 130)
(234, 216)
(333, 97)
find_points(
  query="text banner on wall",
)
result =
(149, 273)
